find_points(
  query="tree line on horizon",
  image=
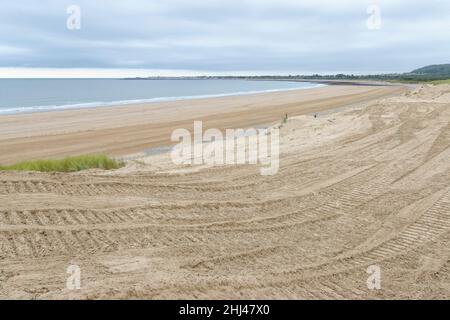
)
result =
(425, 74)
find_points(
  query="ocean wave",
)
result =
(44, 108)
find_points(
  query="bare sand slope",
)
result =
(369, 185)
(124, 130)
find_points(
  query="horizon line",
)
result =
(120, 73)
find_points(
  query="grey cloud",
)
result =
(212, 35)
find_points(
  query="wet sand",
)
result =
(125, 130)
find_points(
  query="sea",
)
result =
(40, 95)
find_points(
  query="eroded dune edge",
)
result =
(365, 185)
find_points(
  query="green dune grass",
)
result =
(69, 164)
(441, 81)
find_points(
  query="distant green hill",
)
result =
(438, 73)
(434, 70)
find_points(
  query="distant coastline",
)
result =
(275, 78)
(425, 74)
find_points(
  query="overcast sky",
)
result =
(168, 37)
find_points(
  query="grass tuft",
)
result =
(69, 164)
(283, 121)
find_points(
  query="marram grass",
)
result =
(441, 81)
(69, 164)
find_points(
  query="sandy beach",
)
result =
(125, 130)
(360, 186)
(214, 157)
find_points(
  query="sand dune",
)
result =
(364, 185)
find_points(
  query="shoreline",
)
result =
(314, 83)
(126, 130)
(130, 102)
